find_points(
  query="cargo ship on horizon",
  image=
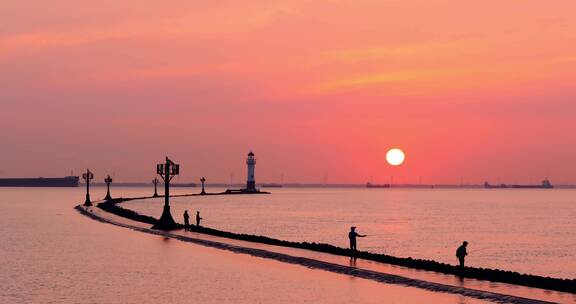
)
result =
(544, 185)
(67, 181)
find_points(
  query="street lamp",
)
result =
(203, 180)
(167, 171)
(155, 181)
(88, 176)
(108, 181)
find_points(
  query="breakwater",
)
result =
(326, 266)
(496, 275)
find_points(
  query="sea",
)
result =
(52, 254)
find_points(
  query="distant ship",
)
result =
(67, 181)
(371, 185)
(271, 185)
(544, 185)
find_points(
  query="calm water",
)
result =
(530, 231)
(51, 254)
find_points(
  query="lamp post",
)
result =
(203, 180)
(167, 171)
(108, 181)
(88, 176)
(155, 181)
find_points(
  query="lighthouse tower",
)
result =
(250, 182)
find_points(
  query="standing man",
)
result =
(461, 253)
(352, 236)
(186, 219)
(198, 218)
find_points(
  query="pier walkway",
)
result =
(389, 274)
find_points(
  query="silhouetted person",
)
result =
(198, 218)
(461, 253)
(186, 219)
(352, 236)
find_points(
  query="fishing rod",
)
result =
(481, 249)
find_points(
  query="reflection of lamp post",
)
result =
(203, 180)
(155, 181)
(167, 171)
(108, 181)
(88, 176)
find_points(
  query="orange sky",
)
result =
(479, 90)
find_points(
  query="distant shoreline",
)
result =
(303, 185)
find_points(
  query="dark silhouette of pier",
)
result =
(495, 275)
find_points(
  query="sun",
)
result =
(395, 157)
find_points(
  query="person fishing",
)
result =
(352, 236)
(186, 219)
(461, 253)
(198, 218)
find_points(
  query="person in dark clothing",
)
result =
(198, 218)
(461, 253)
(186, 219)
(352, 236)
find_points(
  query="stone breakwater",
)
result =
(494, 275)
(327, 266)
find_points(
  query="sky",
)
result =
(319, 90)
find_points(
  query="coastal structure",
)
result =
(167, 171)
(494, 275)
(155, 181)
(87, 177)
(250, 181)
(108, 181)
(203, 180)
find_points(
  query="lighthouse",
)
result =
(250, 182)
